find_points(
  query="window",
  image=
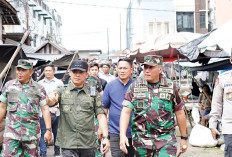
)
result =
(185, 21)
(44, 21)
(39, 17)
(151, 28)
(34, 14)
(50, 48)
(202, 19)
(158, 28)
(34, 40)
(166, 28)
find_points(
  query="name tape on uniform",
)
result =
(140, 90)
(165, 90)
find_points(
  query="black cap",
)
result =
(79, 65)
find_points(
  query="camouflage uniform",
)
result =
(22, 130)
(94, 82)
(153, 124)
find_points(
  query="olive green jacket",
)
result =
(76, 123)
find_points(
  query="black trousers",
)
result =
(115, 147)
(228, 145)
(78, 152)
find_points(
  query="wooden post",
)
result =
(40, 76)
(15, 54)
(69, 66)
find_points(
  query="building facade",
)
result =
(43, 22)
(185, 15)
(147, 19)
(220, 12)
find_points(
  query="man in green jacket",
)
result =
(78, 103)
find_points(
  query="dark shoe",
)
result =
(57, 153)
(43, 155)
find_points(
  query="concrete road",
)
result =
(191, 152)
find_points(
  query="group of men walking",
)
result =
(141, 113)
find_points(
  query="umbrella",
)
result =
(215, 44)
(164, 45)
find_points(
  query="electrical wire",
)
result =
(115, 7)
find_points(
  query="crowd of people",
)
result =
(103, 107)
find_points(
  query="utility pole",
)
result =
(26, 8)
(1, 30)
(108, 42)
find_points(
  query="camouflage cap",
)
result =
(25, 64)
(153, 60)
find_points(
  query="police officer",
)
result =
(78, 104)
(221, 109)
(20, 100)
(154, 100)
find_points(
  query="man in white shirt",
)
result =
(50, 83)
(105, 75)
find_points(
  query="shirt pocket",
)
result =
(87, 105)
(165, 101)
(12, 98)
(33, 103)
(66, 105)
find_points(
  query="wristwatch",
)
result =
(49, 129)
(184, 137)
(104, 137)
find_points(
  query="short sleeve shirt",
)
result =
(23, 102)
(153, 106)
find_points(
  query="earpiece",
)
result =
(159, 69)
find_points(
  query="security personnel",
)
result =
(20, 100)
(154, 100)
(221, 109)
(78, 103)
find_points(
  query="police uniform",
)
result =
(221, 108)
(153, 124)
(22, 130)
(76, 124)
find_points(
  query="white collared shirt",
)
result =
(50, 86)
(107, 77)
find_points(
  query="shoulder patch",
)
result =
(216, 82)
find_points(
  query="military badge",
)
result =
(140, 105)
(162, 96)
(66, 108)
(229, 94)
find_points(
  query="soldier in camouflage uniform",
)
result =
(79, 101)
(93, 81)
(20, 100)
(154, 100)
